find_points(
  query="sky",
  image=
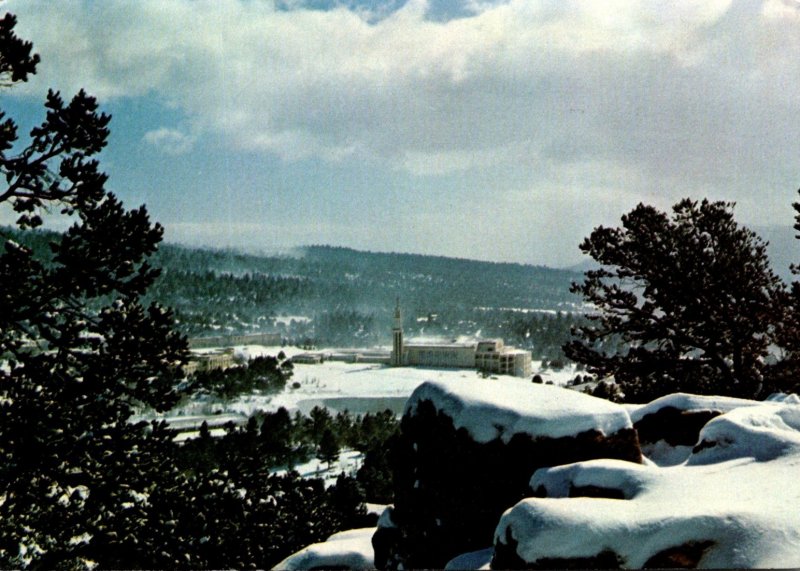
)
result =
(493, 130)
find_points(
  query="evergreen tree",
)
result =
(80, 350)
(686, 302)
(784, 375)
(346, 500)
(328, 447)
(319, 421)
(276, 437)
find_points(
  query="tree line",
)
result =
(265, 374)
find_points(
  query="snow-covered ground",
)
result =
(357, 387)
(348, 463)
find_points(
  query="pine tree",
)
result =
(686, 302)
(276, 437)
(80, 350)
(784, 375)
(328, 447)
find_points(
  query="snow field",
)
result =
(335, 380)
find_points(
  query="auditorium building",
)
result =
(489, 355)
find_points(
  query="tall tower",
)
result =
(397, 338)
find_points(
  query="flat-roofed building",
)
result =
(493, 356)
(490, 355)
(220, 359)
(458, 355)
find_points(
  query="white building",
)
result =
(490, 355)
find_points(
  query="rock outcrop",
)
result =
(730, 505)
(466, 453)
(669, 426)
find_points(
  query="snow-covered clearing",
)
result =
(338, 386)
(348, 463)
(288, 319)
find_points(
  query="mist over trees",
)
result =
(336, 297)
(343, 297)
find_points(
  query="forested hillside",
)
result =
(322, 295)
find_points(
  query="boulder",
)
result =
(466, 453)
(730, 505)
(350, 549)
(669, 426)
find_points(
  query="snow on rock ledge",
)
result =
(466, 452)
(733, 504)
(763, 433)
(350, 549)
(669, 427)
(690, 403)
(490, 409)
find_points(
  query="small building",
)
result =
(221, 359)
(493, 356)
(267, 339)
(308, 359)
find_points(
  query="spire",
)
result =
(397, 337)
(398, 318)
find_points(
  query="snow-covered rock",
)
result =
(763, 433)
(350, 549)
(690, 403)
(490, 409)
(733, 504)
(480, 559)
(466, 453)
(669, 427)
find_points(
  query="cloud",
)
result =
(171, 141)
(682, 96)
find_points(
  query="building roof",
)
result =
(417, 343)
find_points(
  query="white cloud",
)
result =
(679, 93)
(171, 141)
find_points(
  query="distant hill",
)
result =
(343, 297)
(783, 248)
(325, 279)
(583, 266)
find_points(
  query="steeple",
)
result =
(397, 337)
(398, 320)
